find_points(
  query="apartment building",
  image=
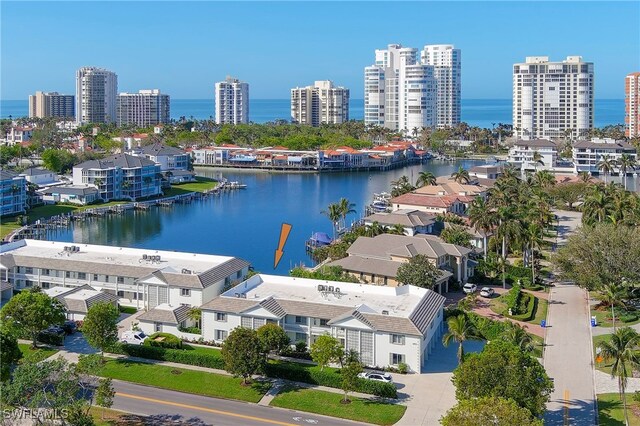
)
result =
(413, 221)
(120, 176)
(13, 193)
(78, 300)
(96, 95)
(322, 103)
(142, 278)
(587, 154)
(552, 99)
(524, 154)
(232, 101)
(51, 104)
(446, 61)
(17, 135)
(167, 157)
(143, 109)
(632, 105)
(385, 325)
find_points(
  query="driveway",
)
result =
(126, 321)
(568, 221)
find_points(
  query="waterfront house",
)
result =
(522, 152)
(13, 190)
(587, 154)
(385, 325)
(40, 176)
(167, 157)
(75, 194)
(486, 171)
(376, 260)
(441, 204)
(142, 278)
(413, 221)
(120, 176)
(78, 300)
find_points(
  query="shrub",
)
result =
(301, 347)
(628, 317)
(403, 368)
(50, 339)
(530, 304)
(181, 356)
(169, 341)
(192, 330)
(292, 353)
(512, 299)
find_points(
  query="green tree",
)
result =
(100, 326)
(31, 312)
(242, 353)
(456, 234)
(326, 349)
(598, 255)
(626, 163)
(195, 315)
(490, 410)
(460, 329)
(621, 349)
(58, 160)
(517, 335)
(503, 370)
(461, 175)
(349, 373)
(334, 213)
(418, 271)
(425, 178)
(612, 295)
(272, 338)
(105, 394)
(9, 353)
(482, 218)
(606, 165)
(537, 159)
(346, 208)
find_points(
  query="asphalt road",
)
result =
(568, 358)
(201, 410)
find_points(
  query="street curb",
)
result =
(596, 420)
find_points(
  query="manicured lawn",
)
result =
(182, 380)
(202, 184)
(610, 412)
(602, 366)
(541, 311)
(7, 226)
(111, 417)
(128, 309)
(213, 351)
(35, 355)
(328, 403)
(538, 343)
(605, 320)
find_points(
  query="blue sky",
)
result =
(183, 48)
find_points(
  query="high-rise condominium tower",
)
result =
(51, 104)
(552, 99)
(632, 105)
(322, 103)
(96, 94)
(446, 62)
(143, 109)
(232, 101)
(400, 91)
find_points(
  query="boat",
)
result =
(236, 185)
(318, 239)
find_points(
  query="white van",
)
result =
(133, 337)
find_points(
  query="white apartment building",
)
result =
(552, 99)
(17, 134)
(232, 101)
(447, 65)
(51, 104)
(632, 105)
(587, 154)
(522, 154)
(143, 278)
(96, 95)
(385, 325)
(322, 103)
(143, 109)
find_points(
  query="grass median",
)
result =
(328, 404)
(182, 380)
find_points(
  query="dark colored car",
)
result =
(69, 327)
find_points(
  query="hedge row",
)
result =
(328, 377)
(531, 304)
(181, 356)
(167, 340)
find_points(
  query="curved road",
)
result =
(196, 409)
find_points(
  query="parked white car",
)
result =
(378, 377)
(487, 292)
(133, 337)
(469, 288)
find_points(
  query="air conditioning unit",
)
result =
(238, 295)
(385, 312)
(330, 289)
(337, 290)
(320, 287)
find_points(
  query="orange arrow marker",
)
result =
(284, 234)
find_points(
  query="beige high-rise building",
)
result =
(632, 105)
(322, 103)
(51, 104)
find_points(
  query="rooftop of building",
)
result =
(386, 246)
(536, 143)
(404, 217)
(604, 143)
(124, 161)
(70, 190)
(166, 313)
(36, 171)
(160, 149)
(80, 299)
(7, 174)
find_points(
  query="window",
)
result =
(95, 277)
(120, 280)
(222, 317)
(301, 337)
(120, 293)
(46, 272)
(28, 270)
(157, 327)
(106, 278)
(185, 292)
(221, 334)
(301, 320)
(28, 283)
(395, 359)
(67, 274)
(246, 322)
(45, 285)
(397, 339)
(324, 322)
(82, 276)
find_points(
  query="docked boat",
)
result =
(236, 185)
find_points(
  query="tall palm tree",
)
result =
(584, 176)
(460, 330)
(544, 179)
(611, 295)
(517, 335)
(537, 159)
(606, 165)
(425, 178)
(482, 218)
(533, 236)
(509, 229)
(375, 229)
(626, 162)
(461, 175)
(596, 206)
(346, 208)
(621, 348)
(397, 229)
(334, 213)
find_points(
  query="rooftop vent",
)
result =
(186, 271)
(385, 312)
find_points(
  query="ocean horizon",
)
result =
(476, 112)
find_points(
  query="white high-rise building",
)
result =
(552, 99)
(96, 95)
(446, 62)
(400, 92)
(322, 103)
(145, 108)
(232, 101)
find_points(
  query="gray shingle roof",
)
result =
(427, 309)
(387, 268)
(4, 285)
(36, 171)
(124, 161)
(7, 174)
(173, 316)
(161, 149)
(617, 145)
(83, 305)
(540, 143)
(70, 190)
(407, 218)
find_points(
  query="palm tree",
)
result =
(606, 165)
(596, 206)
(461, 175)
(397, 229)
(544, 179)
(537, 159)
(584, 177)
(346, 208)
(611, 295)
(460, 330)
(425, 178)
(375, 229)
(626, 162)
(509, 229)
(517, 335)
(334, 213)
(481, 218)
(621, 348)
(195, 315)
(533, 236)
